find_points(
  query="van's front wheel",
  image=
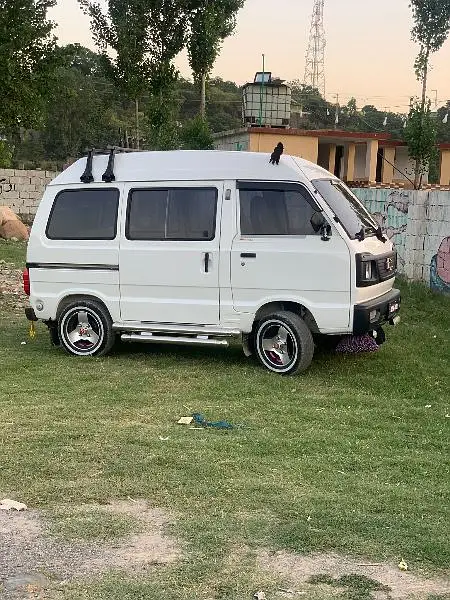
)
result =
(85, 329)
(284, 343)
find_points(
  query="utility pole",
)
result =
(315, 55)
(336, 116)
(261, 92)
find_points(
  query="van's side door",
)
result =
(169, 253)
(277, 255)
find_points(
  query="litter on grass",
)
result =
(7, 504)
(403, 565)
(200, 420)
(185, 421)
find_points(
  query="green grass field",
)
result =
(351, 456)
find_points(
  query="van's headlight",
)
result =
(366, 270)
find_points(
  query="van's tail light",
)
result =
(26, 281)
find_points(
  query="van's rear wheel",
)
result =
(85, 329)
(284, 343)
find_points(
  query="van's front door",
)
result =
(169, 253)
(277, 255)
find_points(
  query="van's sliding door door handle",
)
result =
(248, 255)
(206, 262)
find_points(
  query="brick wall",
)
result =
(22, 190)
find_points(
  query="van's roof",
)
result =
(193, 165)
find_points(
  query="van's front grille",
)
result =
(387, 266)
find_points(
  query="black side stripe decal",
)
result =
(72, 266)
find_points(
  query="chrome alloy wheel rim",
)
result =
(278, 345)
(82, 330)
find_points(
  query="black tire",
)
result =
(283, 343)
(85, 329)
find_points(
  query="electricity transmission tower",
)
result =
(315, 56)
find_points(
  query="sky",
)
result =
(369, 53)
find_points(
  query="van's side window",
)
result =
(172, 214)
(275, 212)
(85, 214)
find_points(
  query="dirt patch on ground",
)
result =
(11, 288)
(403, 585)
(30, 556)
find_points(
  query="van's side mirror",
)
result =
(321, 225)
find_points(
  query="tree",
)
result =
(145, 36)
(210, 23)
(196, 135)
(84, 109)
(315, 112)
(420, 135)
(27, 61)
(431, 29)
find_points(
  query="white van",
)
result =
(198, 247)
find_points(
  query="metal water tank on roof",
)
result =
(266, 102)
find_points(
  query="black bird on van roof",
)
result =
(276, 154)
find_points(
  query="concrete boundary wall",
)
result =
(418, 222)
(22, 190)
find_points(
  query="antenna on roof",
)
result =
(108, 175)
(87, 176)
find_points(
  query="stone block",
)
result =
(12, 195)
(20, 180)
(28, 187)
(24, 194)
(7, 173)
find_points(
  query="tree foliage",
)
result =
(145, 36)
(26, 65)
(196, 135)
(85, 109)
(431, 29)
(210, 23)
(420, 135)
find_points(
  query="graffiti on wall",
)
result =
(6, 187)
(390, 209)
(440, 268)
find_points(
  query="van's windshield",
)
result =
(355, 219)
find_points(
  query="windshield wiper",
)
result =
(361, 235)
(380, 235)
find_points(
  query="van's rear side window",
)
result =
(84, 214)
(172, 214)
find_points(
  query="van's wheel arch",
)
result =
(283, 343)
(85, 327)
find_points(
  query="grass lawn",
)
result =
(351, 456)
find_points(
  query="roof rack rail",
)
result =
(87, 176)
(108, 175)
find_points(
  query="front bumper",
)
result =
(374, 313)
